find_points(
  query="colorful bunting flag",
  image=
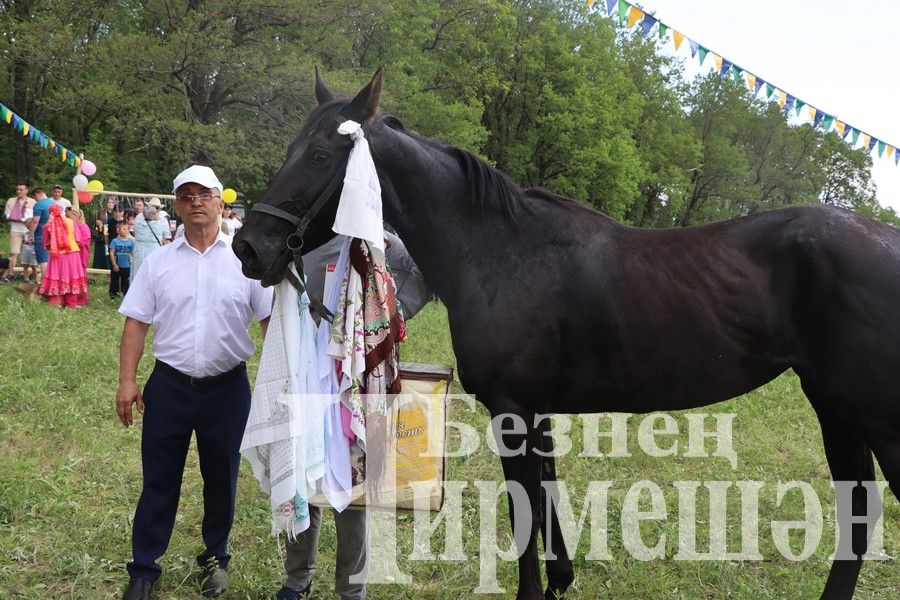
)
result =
(611, 6)
(623, 10)
(647, 25)
(662, 31)
(840, 127)
(890, 151)
(826, 123)
(789, 103)
(812, 112)
(724, 67)
(872, 142)
(695, 47)
(634, 16)
(703, 53)
(758, 86)
(770, 89)
(881, 147)
(33, 134)
(736, 74)
(678, 38)
(818, 118)
(782, 98)
(897, 158)
(799, 106)
(855, 137)
(751, 83)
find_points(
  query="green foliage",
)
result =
(550, 92)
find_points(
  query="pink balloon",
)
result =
(88, 168)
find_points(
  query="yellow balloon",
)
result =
(229, 195)
(94, 186)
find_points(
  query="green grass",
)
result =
(70, 478)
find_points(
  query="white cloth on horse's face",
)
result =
(359, 211)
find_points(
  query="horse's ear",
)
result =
(323, 94)
(365, 105)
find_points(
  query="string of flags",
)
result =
(630, 16)
(37, 136)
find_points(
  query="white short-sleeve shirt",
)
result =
(200, 306)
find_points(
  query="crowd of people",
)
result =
(48, 234)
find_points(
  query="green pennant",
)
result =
(855, 137)
(623, 11)
(703, 53)
(662, 31)
(799, 104)
(826, 123)
(770, 89)
(3, 110)
(881, 147)
(737, 74)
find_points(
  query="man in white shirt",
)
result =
(56, 193)
(19, 209)
(199, 383)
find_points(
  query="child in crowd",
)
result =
(120, 249)
(28, 259)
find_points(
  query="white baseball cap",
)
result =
(198, 174)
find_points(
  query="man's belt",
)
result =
(200, 381)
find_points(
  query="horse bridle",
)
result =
(294, 242)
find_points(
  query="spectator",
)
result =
(149, 236)
(56, 191)
(120, 250)
(198, 385)
(231, 221)
(42, 216)
(83, 237)
(17, 210)
(27, 258)
(63, 283)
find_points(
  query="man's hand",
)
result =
(127, 395)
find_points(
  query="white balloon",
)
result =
(80, 182)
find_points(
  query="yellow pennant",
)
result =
(77, 162)
(9, 116)
(718, 60)
(890, 151)
(865, 140)
(839, 126)
(52, 144)
(782, 98)
(63, 154)
(751, 82)
(677, 37)
(25, 128)
(634, 16)
(590, 2)
(812, 112)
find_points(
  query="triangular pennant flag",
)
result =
(623, 11)
(799, 106)
(770, 89)
(8, 116)
(15, 122)
(3, 111)
(847, 132)
(881, 147)
(897, 158)
(611, 6)
(826, 123)
(751, 83)
(53, 144)
(872, 142)
(720, 67)
(840, 127)
(25, 128)
(890, 151)
(703, 53)
(647, 25)
(736, 74)
(71, 160)
(789, 103)
(855, 136)
(782, 98)
(662, 31)
(818, 118)
(812, 112)
(677, 37)
(695, 47)
(64, 153)
(590, 3)
(758, 86)
(634, 16)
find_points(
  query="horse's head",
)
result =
(298, 209)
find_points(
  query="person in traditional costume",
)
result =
(63, 284)
(83, 237)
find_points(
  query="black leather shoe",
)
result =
(286, 593)
(138, 589)
(215, 579)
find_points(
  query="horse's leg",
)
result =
(523, 468)
(560, 573)
(849, 459)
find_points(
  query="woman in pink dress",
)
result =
(83, 239)
(63, 283)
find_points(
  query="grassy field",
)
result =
(70, 478)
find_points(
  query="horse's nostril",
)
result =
(245, 252)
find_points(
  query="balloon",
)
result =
(229, 195)
(80, 182)
(88, 168)
(85, 197)
(95, 185)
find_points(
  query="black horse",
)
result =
(556, 308)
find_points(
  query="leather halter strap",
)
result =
(294, 242)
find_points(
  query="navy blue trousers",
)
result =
(173, 410)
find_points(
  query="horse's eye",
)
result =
(320, 158)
